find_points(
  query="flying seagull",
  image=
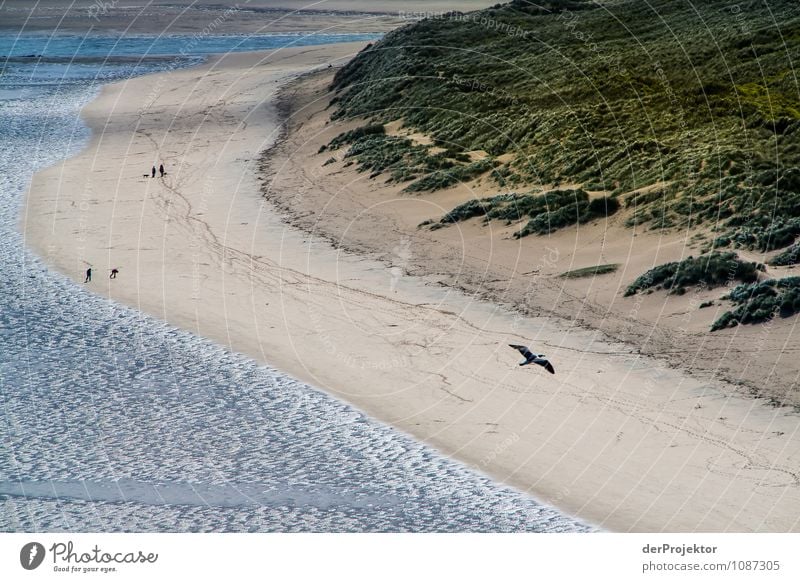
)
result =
(531, 358)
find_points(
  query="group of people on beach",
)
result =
(88, 279)
(115, 272)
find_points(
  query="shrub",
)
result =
(760, 302)
(354, 135)
(546, 212)
(474, 208)
(564, 208)
(711, 270)
(441, 179)
(603, 206)
(790, 256)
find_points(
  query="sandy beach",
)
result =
(617, 438)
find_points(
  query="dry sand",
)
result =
(617, 438)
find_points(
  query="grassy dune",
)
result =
(616, 97)
(684, 115)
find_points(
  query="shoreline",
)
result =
(223, 16)
(205, 253)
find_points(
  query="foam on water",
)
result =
(114, 421)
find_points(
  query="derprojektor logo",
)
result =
(31, 555)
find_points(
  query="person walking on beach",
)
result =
(88, 275)
(154, 172)
(113, 274)
(161, 169)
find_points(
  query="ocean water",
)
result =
(114, 421)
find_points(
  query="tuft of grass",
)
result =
(441, 179)
(562, 208)
(590, 271)
(545, 212)
(478, 207)
(771, 104)
(355, 135)
(790, 256)
(375, 151)
(713, 270)
(760, 302)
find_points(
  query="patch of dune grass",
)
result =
(590, 271)
(456, 174)
(790, 256)
(546, 212)
(760, 302)
(377, 152)
(713, 270)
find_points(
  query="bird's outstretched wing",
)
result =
(526, 353)
(546, 365)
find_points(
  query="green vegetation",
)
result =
(355, 135)
(546, 212)
(617, 96)
(790, 256)
(378, 153)
(477, 207)
(590, 271)
(561, 208)
(759, 302)
(773, 233)
(712, 270)
(456, 174)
